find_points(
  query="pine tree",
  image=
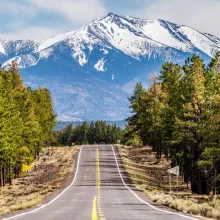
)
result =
(26, 122)
(188, 125)
(45, 116)
(136, 121)
(91, 133)
(179, 115)
(209, 164)
(11, 126)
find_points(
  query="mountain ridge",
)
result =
(106, 57)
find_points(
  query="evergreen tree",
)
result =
(21, 128)
(179, 115)
(94, 133)
(45, 116)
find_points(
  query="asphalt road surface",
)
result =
(100, 191)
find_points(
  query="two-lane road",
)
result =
(98, 192)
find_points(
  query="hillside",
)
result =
(92, 71)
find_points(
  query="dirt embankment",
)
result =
(151, 176)
(48, 176)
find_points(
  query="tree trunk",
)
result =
(1, 177)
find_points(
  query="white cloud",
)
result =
(202, 15)
(16, 9)
(75, 13)
(38, 33)
(78, 12)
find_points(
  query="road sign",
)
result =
(176, 171)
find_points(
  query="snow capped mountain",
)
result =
(89, 71)
(2, 50)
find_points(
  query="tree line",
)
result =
(27, 119)
(179, 116)
(93, 133)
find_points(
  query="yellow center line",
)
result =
(98, 169)
(94, 210)
(96, 201)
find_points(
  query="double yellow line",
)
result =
(97, 213)
(97, 171)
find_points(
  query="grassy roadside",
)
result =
(35, 187)
(150, 176)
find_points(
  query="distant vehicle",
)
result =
(102, 142)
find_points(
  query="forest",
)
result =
(93, 133)
(27, 120)
(179, 116)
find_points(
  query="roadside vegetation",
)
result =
(52, 171)
(93, 133)
(179, 117)
(27, 119)
(149, 175)
(206, 207)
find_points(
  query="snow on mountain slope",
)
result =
(100, 65)
(2, 50)
(19, 50)
(200, 41)
(44, 54)
(123, 35)
(166, 35)
(180, 37)
(23, 61)
(214, 39)
(53, 40)
(136, 37)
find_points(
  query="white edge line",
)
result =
(43, 206)
(146, 203)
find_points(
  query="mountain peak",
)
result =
(111, 14)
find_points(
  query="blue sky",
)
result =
(40, 19)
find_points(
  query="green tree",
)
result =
(22, 130)
(45, 116)
(179, 115)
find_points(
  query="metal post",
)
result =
(170, 181)
(177, 177)
(49, 175)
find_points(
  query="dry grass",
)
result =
(27, 204)
(32, 189)
(187, 206)
(142, 166)
(148, 174)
